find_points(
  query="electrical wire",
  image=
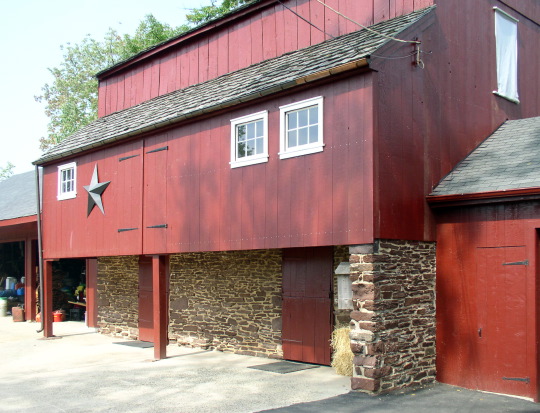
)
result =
(306, 20)
(367, 28)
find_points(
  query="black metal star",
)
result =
(95, 189)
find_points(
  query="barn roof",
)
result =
(506, 160)
(255, 81)
(18, 196)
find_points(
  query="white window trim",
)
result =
(501, 93)
(284, 152)
(71, 194)
(253, 159)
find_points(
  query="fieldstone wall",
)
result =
(118, 302)
(229, 301)
(393, 322)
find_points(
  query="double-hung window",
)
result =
(249, 139)
(507, 55)
(301, 128)
(67, 181)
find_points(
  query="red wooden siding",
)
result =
(427, 120)
(476, 291)
(268, 33)
(68, 232)
(317, 199)
(307, 304)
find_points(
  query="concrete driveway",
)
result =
(82, 371)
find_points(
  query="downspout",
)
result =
(40, 253)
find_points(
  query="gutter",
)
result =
(521, 194)
(360, 63)
(40, 251)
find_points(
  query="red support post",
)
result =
(47, 310)
(160, 282)
(91, 292)
(30, 275)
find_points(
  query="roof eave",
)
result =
(508, 195)
(338, 70)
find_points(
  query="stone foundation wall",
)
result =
(393, 322)
(229, 301)
(118, 302)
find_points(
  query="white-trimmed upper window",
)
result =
(507, 55)
(67, 181)
(301, 128)
(249, 139)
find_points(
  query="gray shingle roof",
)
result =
(260, 79)
(18, 196)
(508, 159)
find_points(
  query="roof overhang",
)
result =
(478, 198)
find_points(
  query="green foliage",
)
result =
(71, 98)
(6, 171)
(206, 13)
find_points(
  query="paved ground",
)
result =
(86, 372)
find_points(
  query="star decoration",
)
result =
(95, 189)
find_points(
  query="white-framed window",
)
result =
(507, 55)
(67, 181)
(249, 139)
(301, 128)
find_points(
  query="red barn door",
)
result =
(146, 320)
(307, 304)
(501, 328)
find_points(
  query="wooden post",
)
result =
(160, 281)
(91, 292)
(30, 263)
(47, 310)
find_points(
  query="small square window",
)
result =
(67, 181)
(301, 128)
(249, 139)
(507, 55)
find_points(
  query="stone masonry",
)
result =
(229, 301)
(393, 322)
(117, 285)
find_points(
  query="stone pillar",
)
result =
(393, 321)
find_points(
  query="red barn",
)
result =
(251, 181)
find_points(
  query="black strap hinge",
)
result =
(523, 379)
(526, 262)
(158, 226)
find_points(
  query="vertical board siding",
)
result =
(209, 206)
(429, 119)
(265, 34)
(69, 232)
(467, 240)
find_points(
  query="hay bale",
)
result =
(342, 356)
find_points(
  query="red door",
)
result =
(500, 338)
(146, 322)
(307, 304)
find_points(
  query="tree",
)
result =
(71, 98)
(6, 171)
(206, 13)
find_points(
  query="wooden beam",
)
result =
(47, 310)
(160, 282)
(30, 275)
(91, 292)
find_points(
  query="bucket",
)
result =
(3, 306)
(58, 316)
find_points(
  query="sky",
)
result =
(33, 31)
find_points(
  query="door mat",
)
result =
(284, 367)
(136, 343)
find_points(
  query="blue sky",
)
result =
(32, 32)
